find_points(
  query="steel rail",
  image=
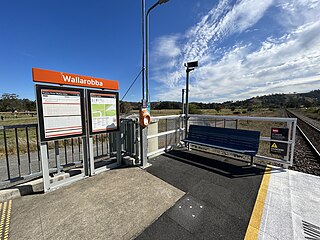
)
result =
(315, 150)
(309, 124)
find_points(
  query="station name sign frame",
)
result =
(66, 112)
(62, 78)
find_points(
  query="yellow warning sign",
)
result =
(274, 145)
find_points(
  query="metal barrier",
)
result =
(20, 158)
(163, 133)
(169, 131)
(262, 124)
(19, 151)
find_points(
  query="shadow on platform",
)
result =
(223, 165)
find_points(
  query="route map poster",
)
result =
(103, 109)
(61, 112)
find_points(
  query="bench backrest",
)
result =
(225, 137)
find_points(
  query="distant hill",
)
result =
(12, 102)
(291, 100)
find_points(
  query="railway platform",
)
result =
(183, 195)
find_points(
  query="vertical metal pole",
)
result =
(45, 167)
(293, 140)
(143, 146)
(119, 146)
(97, 146)
(65, 151)
(38, 148)
(48, 154)
(57, 156)
(183, 101)
(143, 131)
(147, 48)
(85, 139)
(143, 68)
(72, 150)
(91, 155)
(28, 149)
(79, 149)
(286, 158)
(18, 152)
(102, 135)
(6, 150)
(187, 104)
(166, 142)
(85, 155)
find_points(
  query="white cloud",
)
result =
(167, 47)
(289, 62)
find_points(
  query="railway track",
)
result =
(307, 153)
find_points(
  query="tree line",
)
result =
(10, 102)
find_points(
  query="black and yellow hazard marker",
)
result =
(5, 211)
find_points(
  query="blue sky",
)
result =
(245, 48)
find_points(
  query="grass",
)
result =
(313, 112)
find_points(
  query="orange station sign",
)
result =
(62, 78)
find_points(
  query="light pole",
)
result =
(190, 66)
(145, 82)
(183, 90)
(147, 44)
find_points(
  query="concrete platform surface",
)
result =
(117, 204)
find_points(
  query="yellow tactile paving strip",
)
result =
(5, 213)
(254, 224)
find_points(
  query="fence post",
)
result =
(6, 151)
(45, 167)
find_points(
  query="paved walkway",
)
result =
(116, 204)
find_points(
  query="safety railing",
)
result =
(262, 124)
(167, 131)
(163, 133)
(20, 158)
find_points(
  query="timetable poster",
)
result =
(62, 113)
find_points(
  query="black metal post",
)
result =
(18, 152)
(72, 150)
(38, 149)
(183, 107)
(28, 150)
(6, 150)
(187, 103)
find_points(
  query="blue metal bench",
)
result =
(228, 139)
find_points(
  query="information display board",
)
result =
(281, 134)
(103, 111)
(61, 112)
